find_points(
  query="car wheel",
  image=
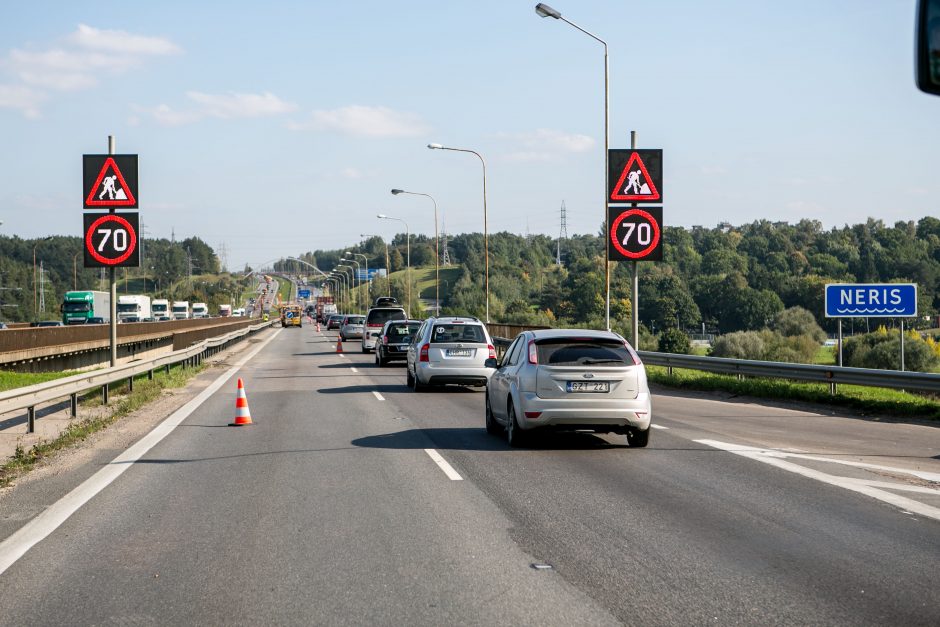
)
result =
(492, 427)
(381, 361)
(514, 435)
(637, 438)
(416, 385)
(409, 380)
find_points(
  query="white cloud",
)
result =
(228, 106)
(122, 42)
(549, 141)
(223, 106)
(351, 174)
(23, 98)
(87, 57)
(528, 157)
(363, 121)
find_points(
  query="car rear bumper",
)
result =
(438, 375)
(586, 413)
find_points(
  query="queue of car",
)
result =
(549, 379)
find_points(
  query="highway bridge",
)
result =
(354, 500)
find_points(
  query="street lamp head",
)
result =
(381, 215)
(394, 191)
(435, 146)
(546, 11)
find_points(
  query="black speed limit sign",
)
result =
(635, 234)
(111, 240)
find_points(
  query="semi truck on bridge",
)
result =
(78, 307)
(133, 308)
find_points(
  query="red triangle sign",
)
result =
(110, 188)
(635, 185)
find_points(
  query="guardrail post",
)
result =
(31, 419)
(669, 370)
(168, 369)
(150, 375)
(73, 405)
(104, 394)
(130, 384)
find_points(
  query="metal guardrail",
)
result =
(895, 379)
(30, 396)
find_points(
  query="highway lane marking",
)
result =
(871, 488)
(660, 427)
(37, 529)
(442, 463)
(353, 368)
(378, 396)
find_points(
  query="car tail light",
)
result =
(633, 354)
(424, 353)
(492, 351)
(533, 352)
(385, 340)
(533, 414)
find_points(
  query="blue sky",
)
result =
(280, 127)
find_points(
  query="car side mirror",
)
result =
(928, 46)
(490, 363)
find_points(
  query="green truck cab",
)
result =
(80, 306)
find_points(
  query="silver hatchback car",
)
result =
(351, 327)
(449, 350)
(569, 379)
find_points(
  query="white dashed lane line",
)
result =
(442, 463)
(378, 396)
(354, 370)
(660, 427)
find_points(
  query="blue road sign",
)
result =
(871, 300)
(303, 293)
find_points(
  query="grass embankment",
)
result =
(12, 380)
(866, 399)
(145, 391)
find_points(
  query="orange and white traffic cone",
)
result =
(339, 345)
(242, 413)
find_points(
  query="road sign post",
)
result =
(110, 239)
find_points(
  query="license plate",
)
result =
(589, 386)
(459, 352)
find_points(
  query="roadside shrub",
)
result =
(674, 341)
(798, 321)
(882, 350)
(739, 345)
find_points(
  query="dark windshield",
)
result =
(76, 307)
(470, 333)
(355, 319)
(381, 316)
(583, 352)
(399, 331)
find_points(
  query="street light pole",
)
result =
(408, 255)
(351, 285)
(543, 10)
(359, 276)
(365, 261)
(387, 269)
(486, 240)
(437, 249)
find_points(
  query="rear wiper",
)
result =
(588, 360)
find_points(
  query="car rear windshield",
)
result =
(470, 333)
(355, 319)
(398, 331)
(583, 352)
(381, 316)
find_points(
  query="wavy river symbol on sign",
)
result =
(870, 311)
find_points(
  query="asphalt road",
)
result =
(331, 510)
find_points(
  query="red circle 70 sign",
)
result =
(635, 234)
(111, 240)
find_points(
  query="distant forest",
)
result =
(730, 278)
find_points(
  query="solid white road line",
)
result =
(660, 427)
(33, 532)
(440, 461)
(868, 488)
(378, 396)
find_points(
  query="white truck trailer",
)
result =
(134, 308)
(180, 310)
